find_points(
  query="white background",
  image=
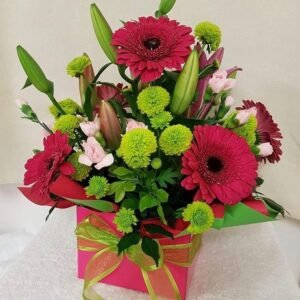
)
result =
(260, 36)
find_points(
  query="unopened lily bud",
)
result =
(186, 85)
(34, 72)
(103, 33)
(265, 149)
(165, 7)
(110, 125)
(85, 80)
(229, 101)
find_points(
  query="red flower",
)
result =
(43, 167)
(105, 92)
(267, 130)
(150, 45)
(219, 165)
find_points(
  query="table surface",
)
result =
(237, 263)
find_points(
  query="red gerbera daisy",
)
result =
(267, 130)
(43, 167)
(220, 165)
(150, 45)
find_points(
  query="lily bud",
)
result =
(85, 79)
(186, 85)
(110, 125)
(103, 33)
(165, 6)
(34, 72)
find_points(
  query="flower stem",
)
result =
(124, 76)
(55, 103)
(100, 72)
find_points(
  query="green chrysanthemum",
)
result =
(76, 66)
(67, 124)
(161, 120)
(98, 187)
(248, 130)
(209, 34)
(175, 139)
(153, 100)
(125, 219)
(137, 145)
(200, 216)
(69, 106)
(81, 171)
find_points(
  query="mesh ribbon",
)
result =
(95, 235)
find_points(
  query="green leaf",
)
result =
(191, 122)
(167, 176)
(150, 247)
(119, 188)
(161, 214)
(87, 105)
(128, 240)
(259, 181)
(154, 229)
(208, 70)
(120, 112)
(274, 205)
(162, 195)
(132, 203)
(124, 173)
(27, 84)
(100, 205)
(148, 201)
(34, 72)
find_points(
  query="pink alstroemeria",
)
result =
(219, 82)
(91, 128)
(95, 154)
(132, 124)
(265, 149)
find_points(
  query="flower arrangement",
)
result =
(164, 152)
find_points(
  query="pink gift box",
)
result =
(128, 275)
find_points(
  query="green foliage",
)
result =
(128, 240)
(148, 201)
(119, 188)
(100, 205)
(167, 176)
(69, 106)
(131, 202)
(150, 247)
(156, 229)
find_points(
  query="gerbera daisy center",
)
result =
(152, 43)
(214, 164)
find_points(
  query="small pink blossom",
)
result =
(95, 154)
(265, 149)
(132, 124)
(219, 82)
(91, 128)
(229, 101)
(243, 116)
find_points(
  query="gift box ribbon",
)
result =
(95, 235)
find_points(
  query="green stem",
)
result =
(101, 71)
(124, 76)
(55, 103)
